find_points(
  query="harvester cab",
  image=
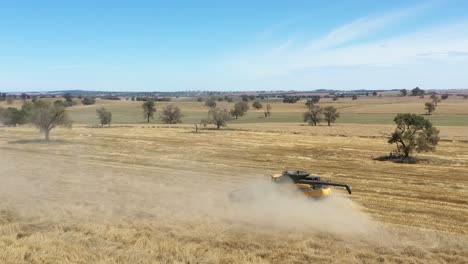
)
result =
(310, 185)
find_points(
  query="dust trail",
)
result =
(82, 192)
(47, 193)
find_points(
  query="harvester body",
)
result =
(311, 186)
(288, 183)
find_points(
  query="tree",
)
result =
(110, 97)
(12, 116)
(88, 100)
(268, 110)
(28, 110)
(257, 105)
(331, 114)
(68, 97)
(434, 98)
(240, 108)
(171, 115)
(311, 102)
(217, 116)
(211, 102)
(417, 92)
(47, 116)
(59, 103)
(148, 109)
(68, 100)
(314, 115)
(228, 99)
(413, 133)
(354, 97)
(444, 96)
(403, 92)
(105, 117)
(374, 93)
(430, 107)
(315, 99)
(24, 96)
(245, 97)
(290, 99)
(199, 99)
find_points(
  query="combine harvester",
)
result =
(309, 185)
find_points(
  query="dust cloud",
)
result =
(265, 203)
(43, 197)
(77, 192)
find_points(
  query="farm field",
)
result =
(365, 110)
(141, 193)
(233, 132)
(450, 112)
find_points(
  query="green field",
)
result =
(131, 113)
(366, 110)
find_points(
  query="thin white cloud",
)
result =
(362, 27)
(438, 49)
(274, 29)
(284, 46)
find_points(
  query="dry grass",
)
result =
(347, 130)
(144, 194)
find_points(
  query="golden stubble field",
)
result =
(158, 194)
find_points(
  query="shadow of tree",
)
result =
(37, 141)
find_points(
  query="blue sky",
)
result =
(232, 45)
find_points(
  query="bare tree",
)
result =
(171, 115)
(149, 109)
(47, 116)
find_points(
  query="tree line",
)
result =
(413, 133)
